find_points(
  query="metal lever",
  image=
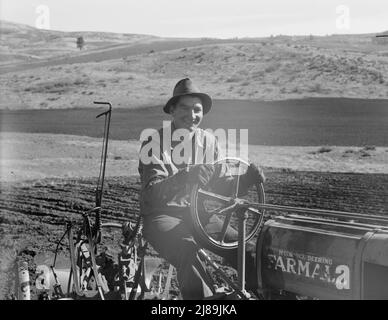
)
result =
(105, 112)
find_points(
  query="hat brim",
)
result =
(206, 101)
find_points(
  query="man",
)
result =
(165, 190)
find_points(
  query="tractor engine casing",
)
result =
(322, 258)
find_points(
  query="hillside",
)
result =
(24, 44)
(138, 70)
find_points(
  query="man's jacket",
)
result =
(161, 189)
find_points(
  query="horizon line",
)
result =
(379, 33)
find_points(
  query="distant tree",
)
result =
(80, 42)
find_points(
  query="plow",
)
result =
(301, 253)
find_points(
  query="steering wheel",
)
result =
(215, 215)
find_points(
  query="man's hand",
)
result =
(201, 174)
(255, 174)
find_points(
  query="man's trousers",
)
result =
(172, 236)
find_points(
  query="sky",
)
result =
(202, 18)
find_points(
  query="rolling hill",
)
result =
(43, 69)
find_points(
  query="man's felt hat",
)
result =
(186, 87)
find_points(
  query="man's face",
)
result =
(187, 113)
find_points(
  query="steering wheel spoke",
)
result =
(225, 227)
(220, 211)
(215, 196)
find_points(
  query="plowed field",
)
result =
(33, 214)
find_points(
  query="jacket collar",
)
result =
(197, 133)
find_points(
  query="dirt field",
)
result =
(301, 122)
(33, 214)
(39, 156)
